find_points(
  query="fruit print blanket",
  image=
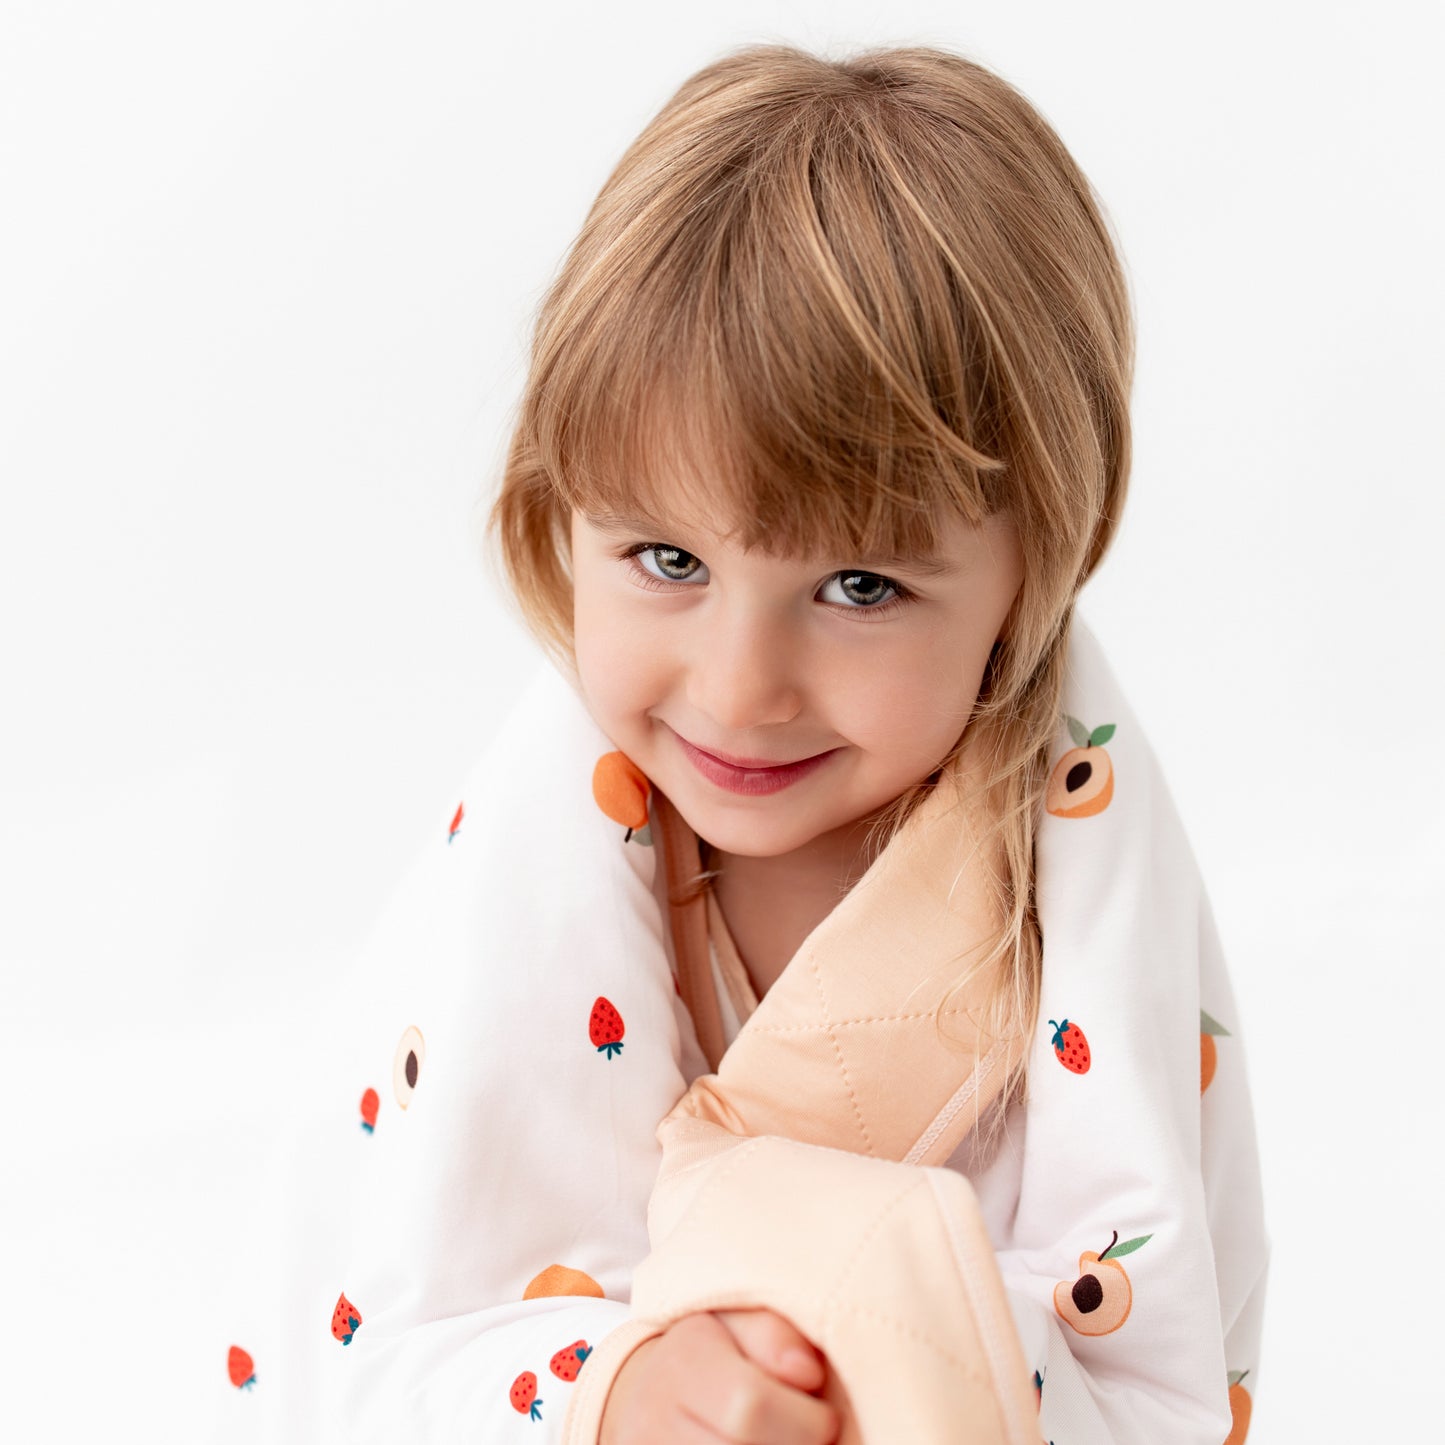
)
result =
(535, 1158)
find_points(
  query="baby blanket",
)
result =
(887, 1267)
(532, 1163)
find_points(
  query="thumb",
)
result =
(775, 1344)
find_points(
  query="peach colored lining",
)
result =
(687, 922)
(735, 976)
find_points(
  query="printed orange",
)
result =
(559, 1279)
(1240, 1408)
(1208, 1052)
(620, 788)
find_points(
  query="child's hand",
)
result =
(719, 1375)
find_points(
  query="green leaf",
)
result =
(1100, 735)
(1129, 1246)
(1078, 732)
(1235, 1376)
(1209, 1025)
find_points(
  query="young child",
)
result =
(826, 426)
(862, 315)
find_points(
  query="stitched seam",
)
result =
(758, 1028)
(911, 1186)
(834, 1300)
(986, 1320)
(949, 1112)
(837, 1058)
(971, 1372)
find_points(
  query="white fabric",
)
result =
(525, 1145)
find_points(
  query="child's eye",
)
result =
(666, 556)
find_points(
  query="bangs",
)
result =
(776, 344)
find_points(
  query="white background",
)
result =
(266, 278)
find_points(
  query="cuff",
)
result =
(582, 1424)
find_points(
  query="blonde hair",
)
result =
(866, 291)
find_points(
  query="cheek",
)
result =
(920, 711)
(593, 642)
(621, 672)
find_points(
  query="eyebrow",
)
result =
(616, 520)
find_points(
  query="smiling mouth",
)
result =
(753, 764)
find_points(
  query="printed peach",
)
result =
(406, 1065)
(1082, 781)
(1099, 1300)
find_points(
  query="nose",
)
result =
(745, 675)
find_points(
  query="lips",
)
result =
(751, 777)
(751, 763)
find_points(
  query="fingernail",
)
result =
(796, 1361)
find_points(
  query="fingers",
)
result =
(740, 1400)
(775, 1344)
(645, 1407)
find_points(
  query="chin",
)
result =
(739, 835)
(752, 837)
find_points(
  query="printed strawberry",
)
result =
(566, 1363)
(456, 823)
(344, 1320)
(370, 1101)
(606, 1027)
(524, 1395)
(1071, 1046)
(241, 1368)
